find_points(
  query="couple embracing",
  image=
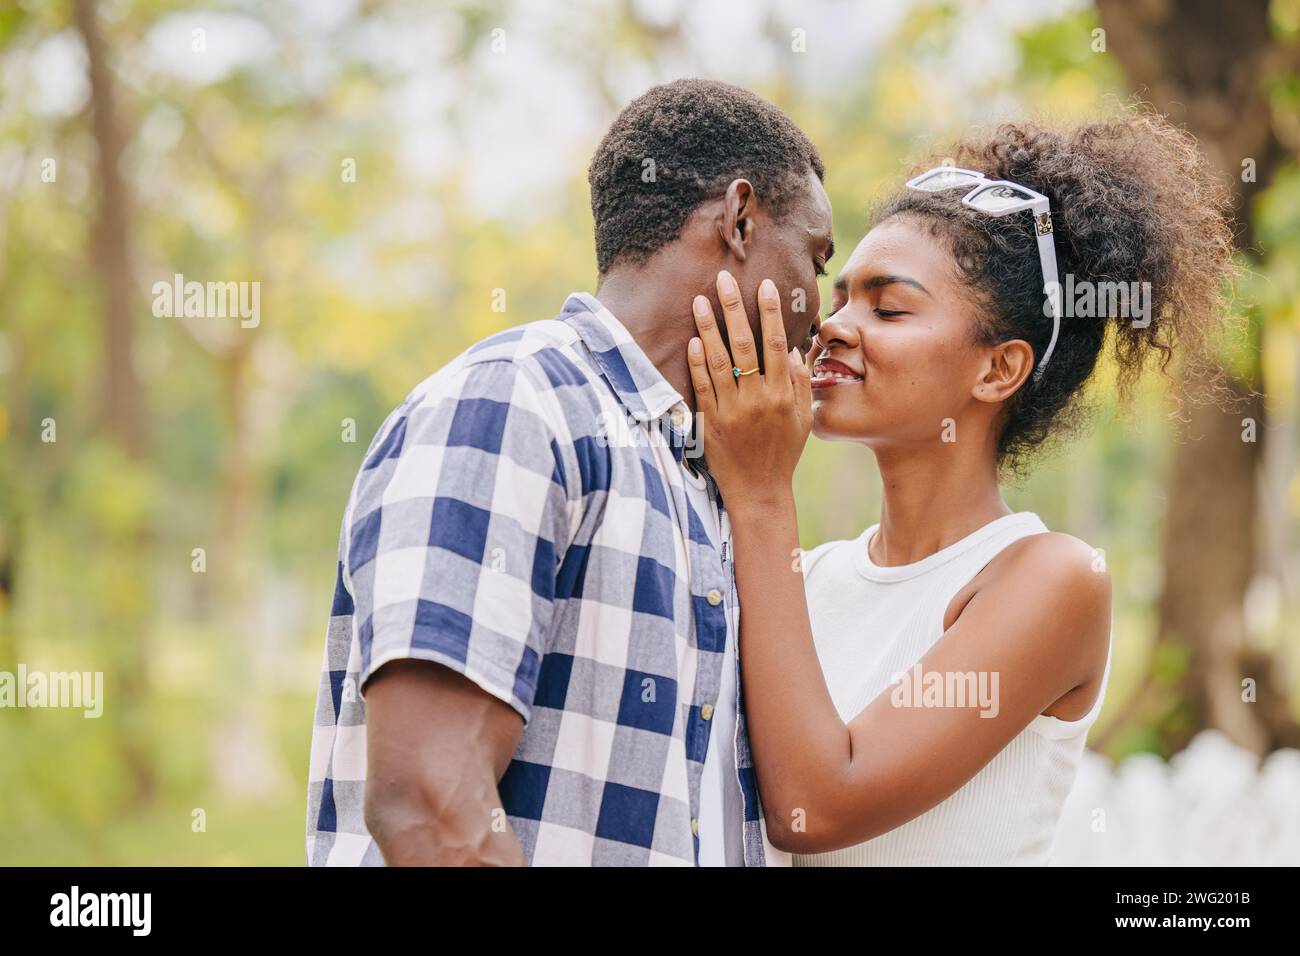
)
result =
(551, 648)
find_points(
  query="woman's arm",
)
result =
(825, 784)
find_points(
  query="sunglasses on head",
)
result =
(999, 197)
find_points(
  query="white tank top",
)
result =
(871, 623)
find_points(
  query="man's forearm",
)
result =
(463, 826)
(436, 747)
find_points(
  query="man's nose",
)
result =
(809, 340)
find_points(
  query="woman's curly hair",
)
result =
(1133, 200)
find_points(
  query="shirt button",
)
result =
(707, 711)
(695, 827)
(714, 597)
(678, 418)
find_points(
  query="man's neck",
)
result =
(654, 305)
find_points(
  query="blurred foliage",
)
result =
(368, 286)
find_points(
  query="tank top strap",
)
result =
(1002, 533)
(959, 561)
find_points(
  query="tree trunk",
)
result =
(1205, 64)
(123, 631)
(123, 401)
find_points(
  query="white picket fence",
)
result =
(1213, 804)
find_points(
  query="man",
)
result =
(532, 650)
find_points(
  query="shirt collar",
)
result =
(644, 392)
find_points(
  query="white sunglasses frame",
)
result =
(1038, 204)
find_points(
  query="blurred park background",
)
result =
(381, 168)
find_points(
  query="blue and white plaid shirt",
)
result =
(503, 525)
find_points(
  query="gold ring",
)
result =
(735, 370)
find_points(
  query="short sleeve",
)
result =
(458, 520)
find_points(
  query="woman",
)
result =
(922, 692)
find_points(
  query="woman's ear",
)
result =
(736, 219)
(1009, 365)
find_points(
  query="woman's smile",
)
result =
(828, 372)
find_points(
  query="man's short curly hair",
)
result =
(677, 146)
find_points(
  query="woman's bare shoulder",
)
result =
(1053, 575)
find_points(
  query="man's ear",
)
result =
(736, 221)
(1009, 365)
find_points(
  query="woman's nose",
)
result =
(835, 330)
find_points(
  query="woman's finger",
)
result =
(801, 382)
(776, 354)
(744, 355)
(715, 352)
(705, 398)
